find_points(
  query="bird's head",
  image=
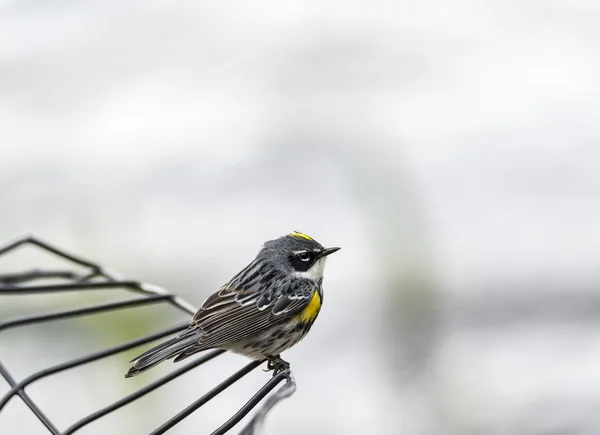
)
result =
(299, 254)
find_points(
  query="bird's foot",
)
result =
(277, 365)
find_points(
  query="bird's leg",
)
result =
(277, 364)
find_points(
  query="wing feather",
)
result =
(239, 310)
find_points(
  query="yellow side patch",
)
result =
(312, 309)
(300, 235)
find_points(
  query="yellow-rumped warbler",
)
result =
(263, 310)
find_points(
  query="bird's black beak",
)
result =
(328, 251)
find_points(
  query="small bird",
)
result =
(265, 309)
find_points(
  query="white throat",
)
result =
(315, 272)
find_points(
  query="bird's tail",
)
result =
(163, 351)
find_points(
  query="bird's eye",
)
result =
(304, 255)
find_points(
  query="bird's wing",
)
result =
(231, 314)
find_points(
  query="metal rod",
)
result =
(286, 390)
(83, 311)
(89, 276)
(141, 392)
(255, 400)
(14, 245)
(86, 359)
(129, 285)
(208, 396)
(15, 278)
(34, 408)
(35, 241)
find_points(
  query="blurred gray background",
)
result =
(451, 149)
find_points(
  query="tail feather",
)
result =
(188, 352)
(163, 351)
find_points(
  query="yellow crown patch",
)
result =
(300, 235)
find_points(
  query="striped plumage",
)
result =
(266, 308)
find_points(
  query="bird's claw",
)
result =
(277, 365)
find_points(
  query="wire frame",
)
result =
(97, 278)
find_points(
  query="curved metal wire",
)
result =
(257, 422)
(13, 284)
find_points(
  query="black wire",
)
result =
(83, 311)
(87, 359)
(208, 396)
(15, 278)
(141, 392)
(255, 400)
(286, 390)
(34, 408)
(55, 288)
(36, 241)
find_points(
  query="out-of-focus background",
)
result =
(452, 150)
